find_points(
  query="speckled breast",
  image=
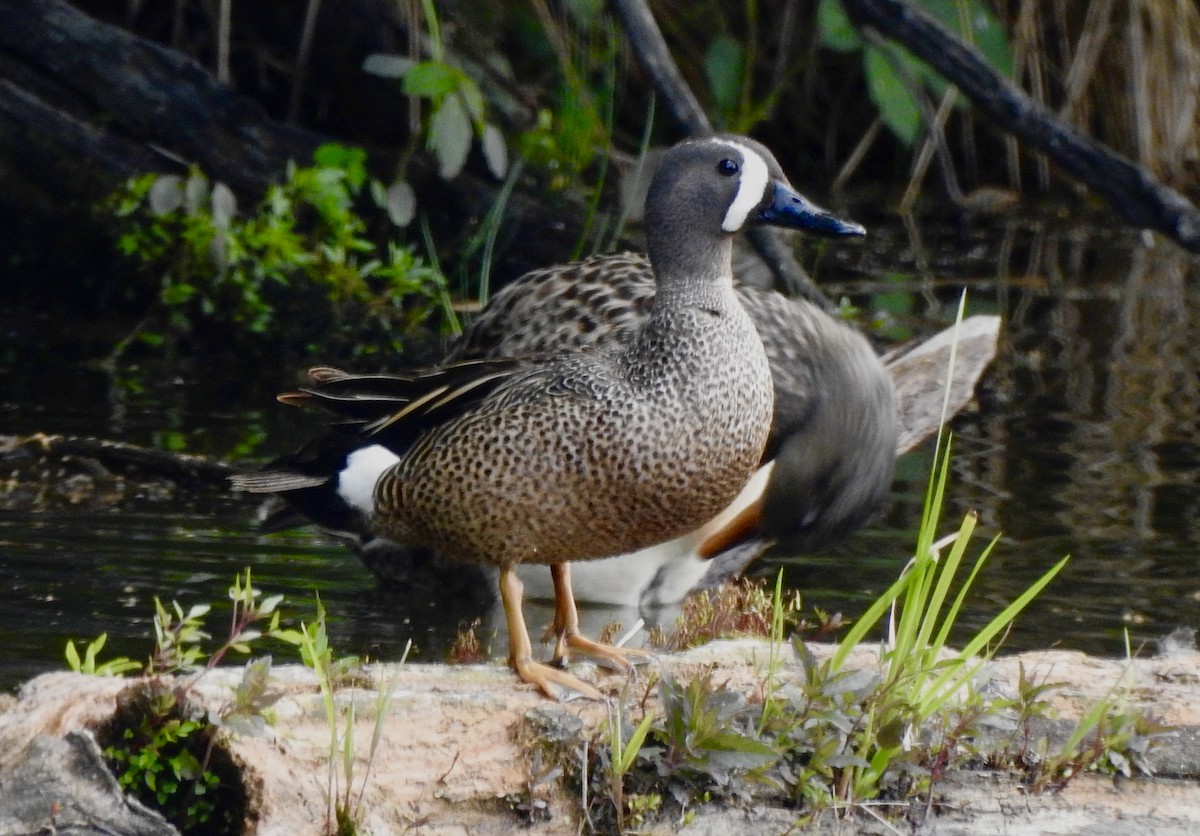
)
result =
(587, 457)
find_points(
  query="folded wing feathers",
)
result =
(405, 405)
(275, 481)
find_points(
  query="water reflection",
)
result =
(1084, 442)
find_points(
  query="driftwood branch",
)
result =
(1134, 193)
(119, 457)
(646, 40)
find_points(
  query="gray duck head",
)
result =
(708, 189)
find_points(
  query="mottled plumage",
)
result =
(583, 455)
(833, 428)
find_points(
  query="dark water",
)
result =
(1084, 442)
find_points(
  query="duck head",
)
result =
(722, 184)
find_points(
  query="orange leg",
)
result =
(552, 682)
(568, 637)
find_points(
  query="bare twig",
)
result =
(302, 57)
(1132, 191)
(224, 17)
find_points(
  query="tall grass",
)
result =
(1125, 71)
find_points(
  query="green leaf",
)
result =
(253, 686)
(431, 80)
(166, 195)
(630, 751)
(837, 32)
(195, 193)
(73, 657)
(473, 100)
(177, 294)
(224, 205)
(723, 69)
(896, 104)
(974, 22)
(294, 637)
(350, 160)
(451, 134)
(89, 658)
(732, 742)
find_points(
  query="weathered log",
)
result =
(464, 749)
(1132, 191)
(130, 90)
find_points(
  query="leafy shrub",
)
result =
(300, 268)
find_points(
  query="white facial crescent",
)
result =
(751, 188)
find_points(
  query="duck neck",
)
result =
(694, 274)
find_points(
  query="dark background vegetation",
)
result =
(95, 92)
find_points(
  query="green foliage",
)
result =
(575, 132)
(1112, 737)
(457, 112)
(163, 751)
(708, 730)
(300, 266)
(840, 736)
(894, 75)
(702, 744)
(161, 759)
(178, 634)
(724, 67)
(88, 665)
(455, 117)
(562, 142)
(624, 747)
(177, 637)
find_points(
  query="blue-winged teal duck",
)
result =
(829, 460)
(582, 455)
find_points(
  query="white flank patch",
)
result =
(753, 186)
(356, 482)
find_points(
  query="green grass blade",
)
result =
(952, 614)
(630, 750)
(939, 691)
(867, 621)
(945, 576)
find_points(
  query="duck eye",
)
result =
(727, 167)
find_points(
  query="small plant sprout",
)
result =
(779, 616)
(247, 611)
(1111, 737)
(178, 634)
(623, 754)
(344, 808)
(177, 637)
(113, 667)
